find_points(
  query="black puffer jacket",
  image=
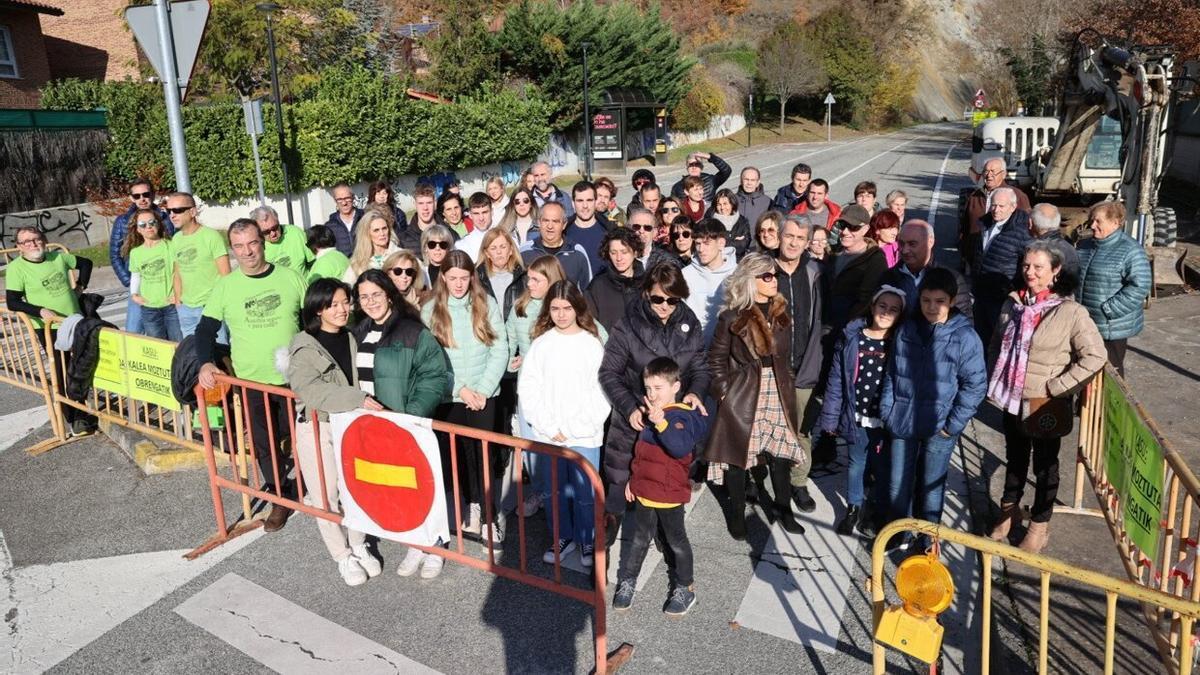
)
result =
(85, 355)
(609, 294)
(637, 339)
(185, 368)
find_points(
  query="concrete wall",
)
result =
(718, 127)
(75, 226)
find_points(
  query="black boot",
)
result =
(781, 470)
(846, 527)
(803, 501)
(735, 482)
(758, 486)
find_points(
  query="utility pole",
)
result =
(587, 119)
(183, 180)
(269, 8)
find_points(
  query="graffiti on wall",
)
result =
(72, 226)
(510, 173)
(440, 181)
(558, 152)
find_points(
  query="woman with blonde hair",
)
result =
(467, 323)
(436, 242)
(494, 187)
(521, 217)
(404, 269)
(500, 269)
(756, 425)
(374, 241)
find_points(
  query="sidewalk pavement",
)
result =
(1163, 369)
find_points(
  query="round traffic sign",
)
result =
(979, 103)
(387, 473)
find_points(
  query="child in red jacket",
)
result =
(659, 483)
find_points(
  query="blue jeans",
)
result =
(133, 317)
(189, 318)
(918, 476)
(864, 450)
(161, 323)
(576, 500)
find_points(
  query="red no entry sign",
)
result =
(387, 473)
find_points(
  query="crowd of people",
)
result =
(701, 334)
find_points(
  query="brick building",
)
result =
(90, 40)
(24, 65)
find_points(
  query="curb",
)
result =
(152, 458)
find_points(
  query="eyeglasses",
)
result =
(365, 298)
(682, 234)
(643, 228)
(658, 300)
(30, 242)
(766, 276)
(444, 245)
(993, 174)
(405, 271)
(180, 209)
(343, 199)
(141, 195)
(520, 201)
(147, 224)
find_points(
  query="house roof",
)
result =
(31, 5)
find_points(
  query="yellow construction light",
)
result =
(926, 589)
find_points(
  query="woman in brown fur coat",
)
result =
(756, 423)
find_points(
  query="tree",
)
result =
(463, 60)
(542, 43)
(849, 58)
(790, 65)
(1172, 22)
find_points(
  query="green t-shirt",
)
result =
(263, 313)
(331, 264)
(45, 284)
(292, 250)
(156, 264)
(196, 259)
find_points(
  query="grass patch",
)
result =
(98, 254)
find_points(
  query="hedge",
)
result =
(352, 126)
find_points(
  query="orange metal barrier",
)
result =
(244, 476)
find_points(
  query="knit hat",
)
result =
(890, 289)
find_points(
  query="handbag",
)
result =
(1047, 417)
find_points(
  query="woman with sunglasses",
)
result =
(756, 425)
(453, 211)
(521, 217)
(681, 239)
(658, 323)
(766, 232)
(668, 209)
(153, 281)
(374, 241)
(725, 209)
(436, 242)
(405, 272)
(467, 323)
(401, 365)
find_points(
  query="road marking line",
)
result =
(52, 611)
(284, 636)
(935, 201)
(835, 180)
(14, 427)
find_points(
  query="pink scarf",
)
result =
(1008, 377)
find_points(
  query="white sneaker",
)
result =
(533, 504)
(495, 531)
(565, 547)
(587, 555)
(471, 524)
(352, 573)
(431, 566)
(412, 561)
(368, 562)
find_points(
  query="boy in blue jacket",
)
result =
(659, 482)
(937, 378)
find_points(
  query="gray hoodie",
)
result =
(706, 290)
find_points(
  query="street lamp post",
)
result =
(587, 118)
(269, 8)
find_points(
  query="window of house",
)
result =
(8, 55)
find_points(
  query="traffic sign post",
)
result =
(252, 110)
(980, 99)
(170, 34)
(829, 101)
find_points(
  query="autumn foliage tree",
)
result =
(1172, 22)
(789, 64)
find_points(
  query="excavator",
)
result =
(1108, 141)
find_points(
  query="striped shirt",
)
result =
(365, 362)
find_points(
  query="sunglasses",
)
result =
(180, 209)
(670, 209)
(141, 195)
(444, 245)
(766, 276)
(643, 228)
(406, 271)
(658, 300)
(147, 224)
(682, 234)
(520, 201)
(270, 231)
(853, 227)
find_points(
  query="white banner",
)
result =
(390, 476)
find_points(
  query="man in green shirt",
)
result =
(40, 284)
(328, 262)
(200, 259)
(285, 244)
(260, 303)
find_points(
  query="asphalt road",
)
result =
(90, 550)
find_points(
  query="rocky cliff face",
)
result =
(951, 64)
